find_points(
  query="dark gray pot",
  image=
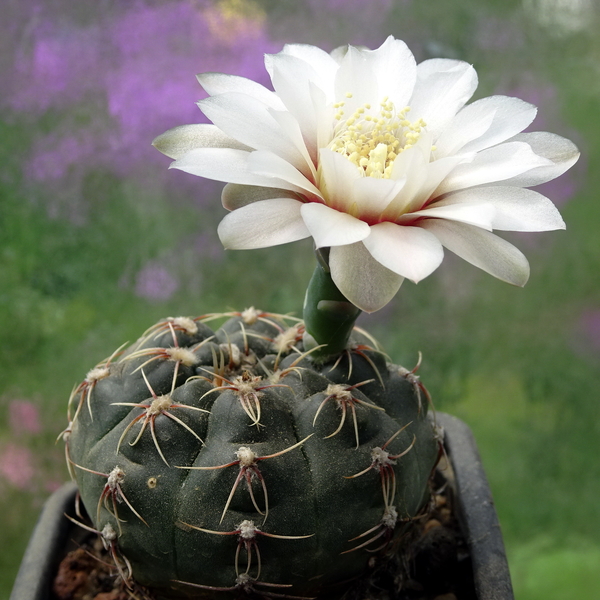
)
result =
(476, 513)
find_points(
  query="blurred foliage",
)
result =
(520, 366)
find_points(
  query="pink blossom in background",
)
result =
(155, 282)
(24, 417)
(52, 485)
(16, 465)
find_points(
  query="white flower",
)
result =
(377, 158)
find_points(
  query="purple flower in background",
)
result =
(155, 282)
(117, 82)
(24, 417)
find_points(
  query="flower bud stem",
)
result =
(328, 315)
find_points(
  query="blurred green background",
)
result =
(98, 240)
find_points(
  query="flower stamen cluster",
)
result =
(372, 142)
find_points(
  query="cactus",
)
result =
(232, 461)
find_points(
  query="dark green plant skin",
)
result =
(313, 500)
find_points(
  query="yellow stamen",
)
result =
(373, 139)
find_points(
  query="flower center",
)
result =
(373, 139)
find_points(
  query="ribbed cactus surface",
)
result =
(223, 462)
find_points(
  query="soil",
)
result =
(437, 567)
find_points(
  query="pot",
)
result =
(475, 507)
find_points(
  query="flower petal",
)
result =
(442, 88)
(338, 175)
(482, 249)
(220, 83)
(330, 227)
(485, 123)
(413, 166)
(249, 121)
(395, 68)
(499, 163)
(267, 164)
(511, 115)
(561, 152)
(178, 141)
(372, 196)
(291, 129)
(478, 214)
(235, 195)
(411, 252)
(291, 79)
(516, 209)
(355, 82)
(225, 164)
(262, 224)
(322, 63)
(420, 188)
(363, 280)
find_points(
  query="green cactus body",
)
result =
(231, 461)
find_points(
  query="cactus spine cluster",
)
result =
(229, 462)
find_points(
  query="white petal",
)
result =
(372, 196)
(434, 173)
(224, 164)
(395, 68)
(460, 131)
(442, 88)
(220, 83)
(179, 140)
(411, 252)
(267, 164)
(482, 249)
(249, 121)
(291, 129)
(323, 120)
(338, 53)
(485, 123)
(363, 280)
(562, 153)
(499, 163)
(235, 195)
(412, 165)
(511, 115)
(516, 209)
(477, 214)
(263, 224)
(322, 63)
(291, 79)
(329, 227)
(338, 175)
(356, 77)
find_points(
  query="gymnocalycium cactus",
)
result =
(277, 456)
(229, 459)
